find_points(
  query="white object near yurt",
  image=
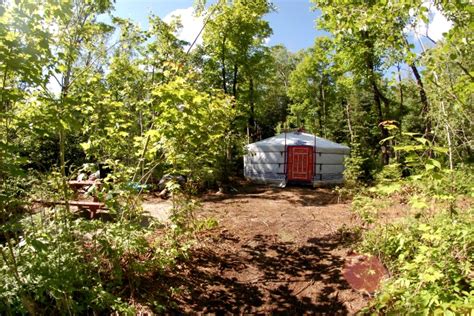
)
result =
(295, 157)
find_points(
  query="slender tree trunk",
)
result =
(424, 100)
(421, 90)
(234, 82)
(224, 79)
(448, 137)
(400, 107)
(5, 104)
(401, 103)
(320, 121)
(447, 128)
(377, 95)
(62, 134)
(141, 160)
(348, 117)
(62, 164)
(140, 121)
(323, 106)
(252, 110)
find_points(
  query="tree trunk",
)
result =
(401, 103)
(234, 82)
(348, 117)
(322, 119)
(62, 134)
(400, 108)
(5, 105)
(252, 111)
(423, 98)
(224, 79)
(377, 95)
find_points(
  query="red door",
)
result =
(300, 163)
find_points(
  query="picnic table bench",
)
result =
(93, 206)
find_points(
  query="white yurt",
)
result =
(295, 157)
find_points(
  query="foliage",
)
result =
(431, 263)
(64, 263)
(373, 50)
(450, 82)
(75, 89)
(428, 253)
(354, 168)
(193, 130)
(234, 40)
(272, 100)
(12, 198)
(314, 99)
(366, 208)
(69, 265)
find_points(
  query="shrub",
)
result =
(56, 263)
(69, 265)
(431, 263)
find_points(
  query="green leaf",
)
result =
(442, 150)
(431, 276)
(86, 146)
(435, 163)
(386, 139)
(38, 245)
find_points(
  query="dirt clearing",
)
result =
(275, 250)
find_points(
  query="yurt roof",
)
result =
(277, 143)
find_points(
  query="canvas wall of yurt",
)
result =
(295, 157)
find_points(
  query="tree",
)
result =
(312, 90)
(449, 68)
(234, 41)
(371, 38)
(24, 49)
(273, 101)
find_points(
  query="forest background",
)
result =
(76, 90)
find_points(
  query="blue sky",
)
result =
(293, 24)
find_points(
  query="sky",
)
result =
(293, 22)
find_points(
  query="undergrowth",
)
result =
(430, 261)
(428, 249)
(55, 262)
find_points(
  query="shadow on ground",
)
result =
(259, 275)
(295, 194)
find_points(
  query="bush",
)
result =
(13, 191)
(71, 265)
(57, 263)
(355, 168)
(431, 263)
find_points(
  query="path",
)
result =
(275, 250)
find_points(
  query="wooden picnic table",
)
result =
(94, 205)
(76, 185)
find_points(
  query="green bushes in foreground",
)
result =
(72, 266)
(429, 250)
(56, 263)
(431, 262)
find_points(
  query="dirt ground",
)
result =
(277, 251)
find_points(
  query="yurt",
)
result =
(295, 157)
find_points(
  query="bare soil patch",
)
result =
(274, 251)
